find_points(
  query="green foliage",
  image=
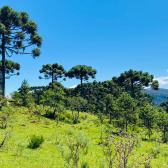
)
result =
(147, 114)
(81, 72)
(16, 96)
(162, 121)
(24, 95)
(126, 104)
(4, 117)
(76, 146)
(111, 105)
(84, 165)
(54, 72)
(35, 141)
(10, 68)
(78, 104)
(55, 99)
(18, 33)
(118, 152)
(155, 151)
(135, 81)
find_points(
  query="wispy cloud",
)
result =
(163, 80)
(73, 86)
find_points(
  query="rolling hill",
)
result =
(159, 96)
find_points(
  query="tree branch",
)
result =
(8, 54)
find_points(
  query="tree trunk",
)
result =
(81, 87)
(133, 94)
(110, 118)
(52, 80)
(149, 133)
(126, 124)
(3, 65)
(149, 129)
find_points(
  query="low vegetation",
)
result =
(41, 142)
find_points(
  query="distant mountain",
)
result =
(159, 96)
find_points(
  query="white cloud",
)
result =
(73, 86)
(163, 80)
(167, 70)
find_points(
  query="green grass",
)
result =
(23, 125)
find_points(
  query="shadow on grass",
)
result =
(145, 139)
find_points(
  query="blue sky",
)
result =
(112, 36)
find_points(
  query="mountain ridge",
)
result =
(159, 96)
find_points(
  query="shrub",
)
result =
(165, 154)
(69, 132)
(5, 139)
(84, 165)
(75, 147)
(118, 152)
(19, 149)
(35, 141)
(6, 111)
(97, 122)
(134, 128)
(57, 138)
(155, 151)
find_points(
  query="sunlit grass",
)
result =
(22, 125)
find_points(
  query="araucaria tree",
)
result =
(134, 81)
(10, 68)
(17, 33)
(81, 72)
(54, 72)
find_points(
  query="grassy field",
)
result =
(22, 124)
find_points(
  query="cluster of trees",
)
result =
(116, 98)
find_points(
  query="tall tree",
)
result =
(148, 116)
(111, 105)
(17, 33)
(54, 72)
(162, 121)
(36, 92)
(25, 94)
(10, 68)
(81, 72)
(134, 81)
(55, 99)
(126, 104)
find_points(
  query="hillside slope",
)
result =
(159, 96)
(24, 123)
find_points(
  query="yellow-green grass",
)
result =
(22, 125)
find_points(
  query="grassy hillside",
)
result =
(159, 96)
(23, 123)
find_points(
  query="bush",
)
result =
(84, 165)
(118, 152)
(75, 147)
(4, 117)
(35, 141)
(134, 128)
(155, 151)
